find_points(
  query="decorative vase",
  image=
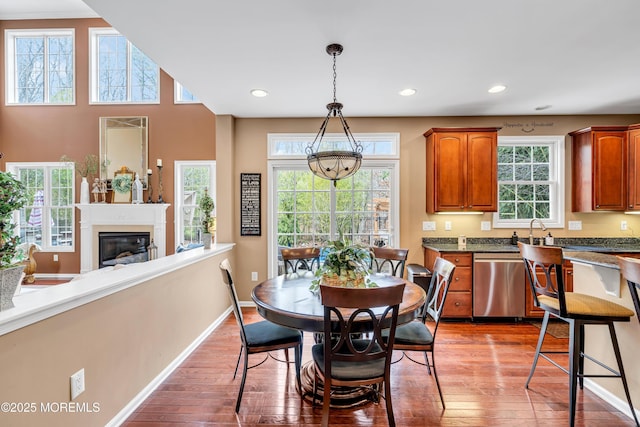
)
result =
(207, 238)
(9, 280)
(84, 191)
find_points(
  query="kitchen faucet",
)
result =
(531, 230)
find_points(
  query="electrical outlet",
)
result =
(485, 225)
(55, 257)
(428, 226)
(77, 383)
(623, 225)
(447, 225)
(575, 225)
(254, 276)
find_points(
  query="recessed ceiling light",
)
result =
(259, 93)
(497, 89)
(407, 92)
(542, 107)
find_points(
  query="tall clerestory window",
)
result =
(40, 67)
(120, 72)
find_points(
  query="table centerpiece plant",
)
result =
(13, 196)
(346, 264)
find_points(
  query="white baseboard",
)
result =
(620, 404)
(145, 392)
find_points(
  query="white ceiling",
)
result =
(578, 56)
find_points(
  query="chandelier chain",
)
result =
(335, 75)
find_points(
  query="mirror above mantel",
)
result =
(123, 142)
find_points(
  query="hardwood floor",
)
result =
(482, 369)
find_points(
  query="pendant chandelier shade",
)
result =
(334, 165)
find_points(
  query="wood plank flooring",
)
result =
(482, 369)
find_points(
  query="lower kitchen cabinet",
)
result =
(459, 303)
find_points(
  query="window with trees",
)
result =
(48, 219)
(39, 67)
(120, 72)
(305, 210)
(192, 178)
(182, 95)
(530, 184)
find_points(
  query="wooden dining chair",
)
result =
(347, 359)
(543, 265)
(260, 337)
(389, 260)
(630, 269)
(417, 335)
(301, 261)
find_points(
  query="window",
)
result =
(530, 182)
(182, 95)
(191, 180)
(120, 72)
(305, 210)
(48, 219)
(40, 67)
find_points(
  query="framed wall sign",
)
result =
(250, 204)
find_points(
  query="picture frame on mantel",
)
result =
(121, 185)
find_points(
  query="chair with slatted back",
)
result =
(301, 261)
(260, 337)
(348, 359)
(389, 260)
(543, 265)
(416, 335)
(630, 269)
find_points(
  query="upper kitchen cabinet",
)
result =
(462, 169)
(599, 169)
(633, 201)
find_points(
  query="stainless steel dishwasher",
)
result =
(498, 285)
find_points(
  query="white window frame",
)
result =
(94, 92)
(10, 36)
(556, 145)
(279, 161)
(178, 92)
(13, 167)
(179, 166)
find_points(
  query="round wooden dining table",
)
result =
(287, 301)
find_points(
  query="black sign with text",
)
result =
(250, 204)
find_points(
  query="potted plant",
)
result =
(206, 207)
(12, 197)
(86, 168)
(346, 264)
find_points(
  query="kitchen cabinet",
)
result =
(459, 299)
(633, 200)
(599, 169)
(462, 169)
(530, 310)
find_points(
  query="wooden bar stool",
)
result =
(544, 272)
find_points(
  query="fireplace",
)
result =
(122, 248)
(96, 218)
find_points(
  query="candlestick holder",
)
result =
(149, 189)
(160, 185)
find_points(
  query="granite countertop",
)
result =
(497, 245)
(594, 258)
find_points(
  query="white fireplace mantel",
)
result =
(119, 217)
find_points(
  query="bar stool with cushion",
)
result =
(630, 269)
(301, 261)
(347, 359)
(543, 265)
(389, 260)
(260, 337)
(416, 335)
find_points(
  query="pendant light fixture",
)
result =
(334, 165)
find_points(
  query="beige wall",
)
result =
(122, 341)
(250, 144)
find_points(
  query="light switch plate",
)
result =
(485, 225)
(447, 225)
(575, 225)
(428, 226)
